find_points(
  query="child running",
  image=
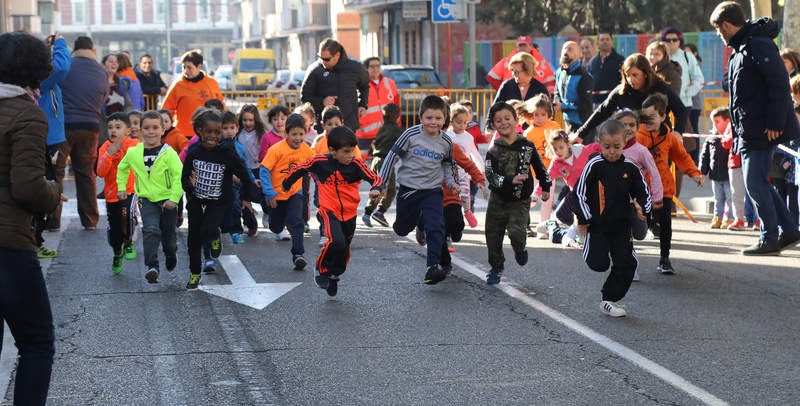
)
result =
(251, 132)
(119, 211)
(286, 205)
(538, 114)
(603, 192)
(157, 169)
(425, 152)
(665, 146)
(387, 135)
(207, 178)
(508, 173)
(232, 221)
(459, 118)
(339, 172)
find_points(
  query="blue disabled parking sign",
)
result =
(444, 11)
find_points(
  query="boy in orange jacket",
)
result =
(118, 210)
(664, 145)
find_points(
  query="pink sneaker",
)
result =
(471, 220)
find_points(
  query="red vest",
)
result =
(380, 94)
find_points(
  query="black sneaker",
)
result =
(378, 216)
(151, 275)
(333, 285)
(665, 267)
(216, 247)
(299, 262)
(788, 239)
(171, 261)
(521, 257)
(494, 276)
(763, 248)
(434, 275)
(447, 268)
(421, 238)
(321, 280)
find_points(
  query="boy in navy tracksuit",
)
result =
(604, 191)
(426, 153)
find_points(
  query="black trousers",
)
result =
(453, 227)
(604, 249)
(205, 219)
(663, 217)
(119, 223)
(335, 254)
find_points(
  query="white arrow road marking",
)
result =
(244, 289)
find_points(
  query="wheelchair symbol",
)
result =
(444, 10)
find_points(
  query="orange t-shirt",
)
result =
(321, 146)
(184, 97)
(281, 160)
(538, 136)
(175, 139)
(107, 169)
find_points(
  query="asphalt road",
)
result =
(724, 329)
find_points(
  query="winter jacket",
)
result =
(665, 147)
(714, 160)
(52, 102)
(151, 82)
(23, 188)
(626, 97)
(163, 182)
(573, 89)
(348, 81)
(135, 89)
(691, 76)
(84, 92)
(107, 169)
(605, 73)
(337, 183)
(671, 72)
(504, 161)
(509, 90)
(604, 192)
(759, 97)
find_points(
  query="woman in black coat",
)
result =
(639, 80)
(522, 85)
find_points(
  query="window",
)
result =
(78, 12)
(118, 11)
(160, 11)
(319, 14)
(202, 10)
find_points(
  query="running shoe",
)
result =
(171, 261)
(612, 309)
(210, 265)
(216, 247)
(494, 276)
(366, 219)
(237, 238)
(44, 252)
(378, 216)
(129, 250)
(434, 275)
(333, 285)
(116, 264)
(151, 275)
(470, 217)
(194, 280)
(299, 262)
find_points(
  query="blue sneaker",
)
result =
(237, 238)
(210, 265)
(366, 219)
(521, 257)
(494, 276)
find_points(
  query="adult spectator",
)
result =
(588, 51)
(697, 100)
(573, 87)
(190, 92)
(152, 84)
(335, 79)
(638, 81)
(544, 73)
(670, 71)
(24, 304)
(761, 117)
(125, 70)
(691, 75)
(119, 94)
(84, 93)
(52, 104)
(382, 91)
(522, 85)
(791, 60)
(605, 66)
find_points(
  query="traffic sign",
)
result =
(447, 11)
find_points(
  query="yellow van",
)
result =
(253, 69)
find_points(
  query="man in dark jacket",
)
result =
(84, 92)
(152, 84)
(573, 88)
(605, 67)
(337, 80)
(761, 117)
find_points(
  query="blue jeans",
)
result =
(25, 307)
(771, 209)
(158, 227)
(722, 195)
(411, 203)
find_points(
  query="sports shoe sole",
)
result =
(380, 220)
(666, 271)
(322, 281)
(151, 276)
(300, 264)
(333, 287)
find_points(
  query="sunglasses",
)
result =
(372, 66)
(515, 72)
(672, 39)
(328, 59)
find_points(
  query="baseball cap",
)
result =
(524, 40)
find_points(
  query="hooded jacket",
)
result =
(162, 182)
(348, 80)
(573, 90)
(759, 97)
(504, 161)
(23, 188)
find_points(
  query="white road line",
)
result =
(626, 353)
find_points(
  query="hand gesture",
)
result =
(192, 178)
(374, 196)
(545, 196)
(329, 101)
(639, 211)
(699, 179)
(169, 205)
(484, 190)
(258, 183)
(247, 205)
(658, 206)
(64, 197)
(583, 229)
(236, 179)
(273, 203)
(122, 195)
(519, 179)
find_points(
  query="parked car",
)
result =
(287, 80)
(224, 76)
(413, 77)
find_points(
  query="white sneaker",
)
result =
(636, 276)
(322, 241)
(541, 231)
(612, 309)
(283, 236)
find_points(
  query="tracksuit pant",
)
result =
(604, 249)
(205, 217)
(503, 217)
(335, 254)
(119, 223)
(453, 227)
(428, 203)
(663, 217)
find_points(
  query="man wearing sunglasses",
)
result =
(335, 79)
